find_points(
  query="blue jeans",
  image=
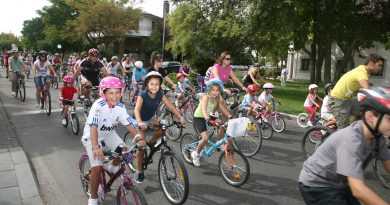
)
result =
(327, 195)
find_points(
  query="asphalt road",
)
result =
(55, 151)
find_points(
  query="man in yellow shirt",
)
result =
(342, 95)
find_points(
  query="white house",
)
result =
(298, 64)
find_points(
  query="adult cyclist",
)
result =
(113, 67)
(41, 72)
(15, 68)
(334, 174)
(56, 62)
(90, 69)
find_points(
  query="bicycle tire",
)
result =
(266, 130)
(84, 168)
(174, 132)
(187, 146)
(56, 82)
(22, 91)
(132, 98)
(249, 144)
(75, 124)
(47, 103)
(234, 172)
(321, 132)
(302, 120)
(188, 112)
(174, 178)
(128, 195)
(380, 173)
(278, 124)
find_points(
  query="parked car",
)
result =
(171, 66)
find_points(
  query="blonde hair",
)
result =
(220, 92)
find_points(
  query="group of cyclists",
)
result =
(333, 175)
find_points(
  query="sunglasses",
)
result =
(228, 59)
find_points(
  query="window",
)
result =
(305, 64)
(382, 71)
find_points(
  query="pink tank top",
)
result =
(222, 73)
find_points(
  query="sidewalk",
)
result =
(17, 183)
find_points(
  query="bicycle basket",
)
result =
(237, 127)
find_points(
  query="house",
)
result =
(298, 64)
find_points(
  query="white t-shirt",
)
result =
(42, 70)
(325, 108)
(284, 71)
(113, 69)
(308, 102)
(264, 98)
(128, 65)
(106, 119)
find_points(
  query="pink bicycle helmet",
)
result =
(110, 82)
(93, 52)
(268, 86)
(68, 79)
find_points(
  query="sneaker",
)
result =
(38, 105)
(139, 177)
(112, 168)
(63, 121)
(195, 158)
(265, 119)
(323, 132)
(13, 94)
(309, 123)
(93, 201)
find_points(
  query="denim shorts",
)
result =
(39, 80)
(134, 122)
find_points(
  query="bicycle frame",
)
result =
(213, 146)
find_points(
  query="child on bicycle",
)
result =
(265, 99)
(138, 76)
(326, 111)
(249, 103)
(181, 88)
(105, 114)
(209, 103)
(66, 96)
(310, 103)
(147, 103)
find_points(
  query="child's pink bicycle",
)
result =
(274, 118)
(127, 192)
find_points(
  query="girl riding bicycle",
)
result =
(66, 96)
(209, 102)
(266, 97)
(326, 110)
(310, 103)
(145, 108)
(181, 88)
(105, 114)
(249, 103)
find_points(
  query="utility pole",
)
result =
(165, 13)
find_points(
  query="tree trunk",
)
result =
(328, 61)
(348, 52)
(319, 63)
(313, 61)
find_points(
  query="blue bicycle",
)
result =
(233, 165)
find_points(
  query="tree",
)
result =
(6, 41)
(32, 32)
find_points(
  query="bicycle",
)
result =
(232, 163)
(313, 138)
(72, 117)
(303, 118)
(55, 80)
(87, 102)
(134, 94)
(45, 97)
(172, 173)
(127, 192)
(380, 173)
(266, 129)
(188, 106)
(21, 87)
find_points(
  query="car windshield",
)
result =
(164, 64)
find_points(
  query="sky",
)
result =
(15, 12)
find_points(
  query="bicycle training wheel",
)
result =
(173, 178)
(234, 167)
(84, 167)
(75, 124)
(249, 144)
(381, 175)
(188, 144)
(302, 120)
(130, 194)
(278, 124)
(313, 138)
(47, 103)
(22, 91)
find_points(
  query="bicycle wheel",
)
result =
(188, 112)
(313, 138)
(381, 175)
(249, 144)
(84, 168)
(278, 124)
(266, 130)
(47, 102)
(188, 144)
(302, 120)
(22, 91)
(56, 82)
(132, 98)
(173, 178)
(174, 132)
(129, 195)
(75, 124)
(234, 167)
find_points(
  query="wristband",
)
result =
(95, 147)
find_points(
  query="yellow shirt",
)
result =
(348, 85)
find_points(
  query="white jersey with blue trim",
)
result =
(106, 119)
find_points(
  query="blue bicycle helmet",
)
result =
(214, 81)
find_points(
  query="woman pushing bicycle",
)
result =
(105, 114)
